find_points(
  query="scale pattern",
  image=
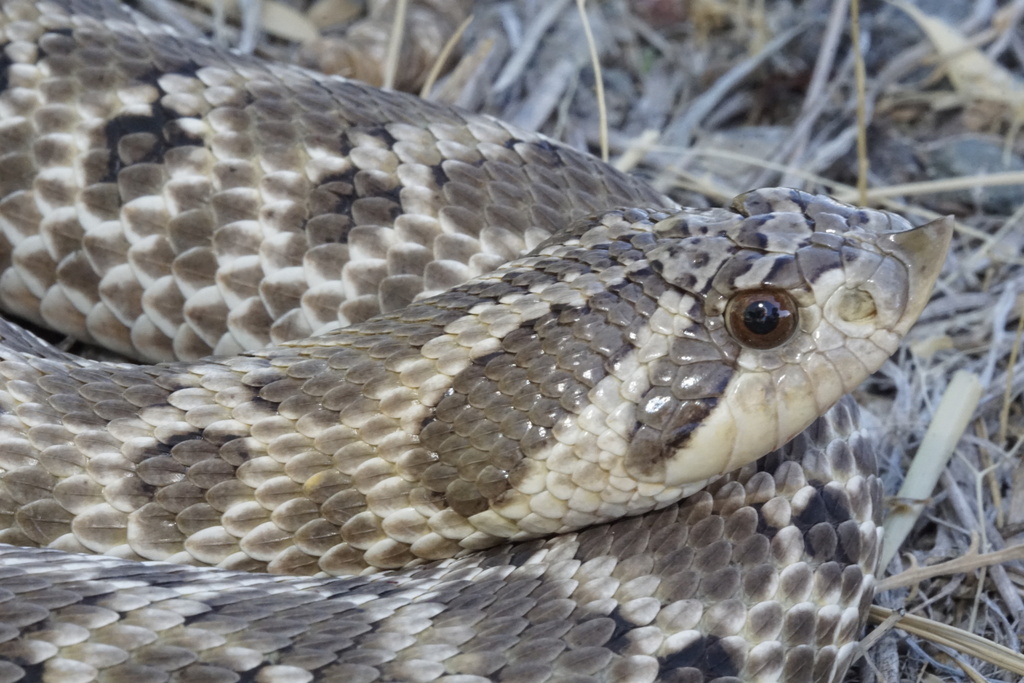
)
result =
(762, 576)
(531, 382)
(590, 380)
(165, 199)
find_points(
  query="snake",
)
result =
(405, 393)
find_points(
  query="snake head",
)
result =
(804, 297)
(636, 354)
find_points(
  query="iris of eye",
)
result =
(761, 319)
(763, 316)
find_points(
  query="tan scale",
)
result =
(527, 361)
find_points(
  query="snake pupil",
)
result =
(761, 319)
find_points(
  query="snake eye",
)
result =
(761, 318)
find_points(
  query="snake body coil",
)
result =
(530, 384)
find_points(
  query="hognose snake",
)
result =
(172, 201)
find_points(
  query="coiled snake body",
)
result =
(532, 382)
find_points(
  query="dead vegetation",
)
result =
(708, 98)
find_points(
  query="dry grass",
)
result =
(709, 98)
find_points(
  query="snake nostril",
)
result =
(761, 318)
(856, 306)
